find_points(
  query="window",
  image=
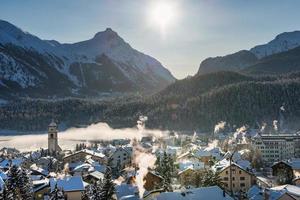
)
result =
(225, 178)
(242, 178)
(51, 135)
(233, 185)
(240, 172)
(226, 172)
(242, 185)
(233, 178)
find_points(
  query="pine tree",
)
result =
(12, 181)
(108, 187)
(6, 194)
(93, 191)
(57, 194)
(165, 169)
(25, 186)
(211, 178)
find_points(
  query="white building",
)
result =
(277, 147)
(120, 157)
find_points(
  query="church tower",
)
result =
(53, 147)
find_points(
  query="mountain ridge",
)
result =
(241, 60)
(34, 59)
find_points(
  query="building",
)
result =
(120, 157)
(283, 171)
(277, 147)
(53, 146)
(287, 170)
(213, 193)
(85, 154)
(72, 186)
(241, 180)
(152, 181)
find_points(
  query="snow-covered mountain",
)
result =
(105, 63)
(282, 42)
(257, 56)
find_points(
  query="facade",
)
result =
(152, 181)
(277, 147)
(120, 158)
(242, 180)
(53, 146)
(283, 172)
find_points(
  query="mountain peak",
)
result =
(107, 34)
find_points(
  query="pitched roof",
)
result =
(203, 193)
(89, 152)
(68, 184)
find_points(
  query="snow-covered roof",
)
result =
(202, 153)
(89, 152)
(97, 175)
(191, 165)
(3, 175)
(68, 183)
(204, 193)
(40, 184)
(280, 190)
(255, 193)
(39, 170)
(294, 163)
(222, 164)
(127, 191)
(6, 162)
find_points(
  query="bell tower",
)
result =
(53, 147)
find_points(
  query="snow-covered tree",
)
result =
(108, 187)
(211, 178)
(93, 191)
(18, 183)
(25, 186)
(6, 194)
(57, 194)
(165, 169)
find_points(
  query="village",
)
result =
(244, 164)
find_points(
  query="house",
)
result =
(94, 177)
(40, 188)
(189, 171)
(84, 154)
(152, 181)
(203, 193)
(120, 158)
(73, 186)
(203, 155)
(241, 178)
(283, 171)
(265, 182)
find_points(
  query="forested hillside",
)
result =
(196, 103)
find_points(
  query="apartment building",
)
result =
(276, 147)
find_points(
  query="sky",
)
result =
(191, 31)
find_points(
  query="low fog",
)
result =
(67, 139)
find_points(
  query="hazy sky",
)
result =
(196, 29)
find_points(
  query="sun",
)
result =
(163, 14)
